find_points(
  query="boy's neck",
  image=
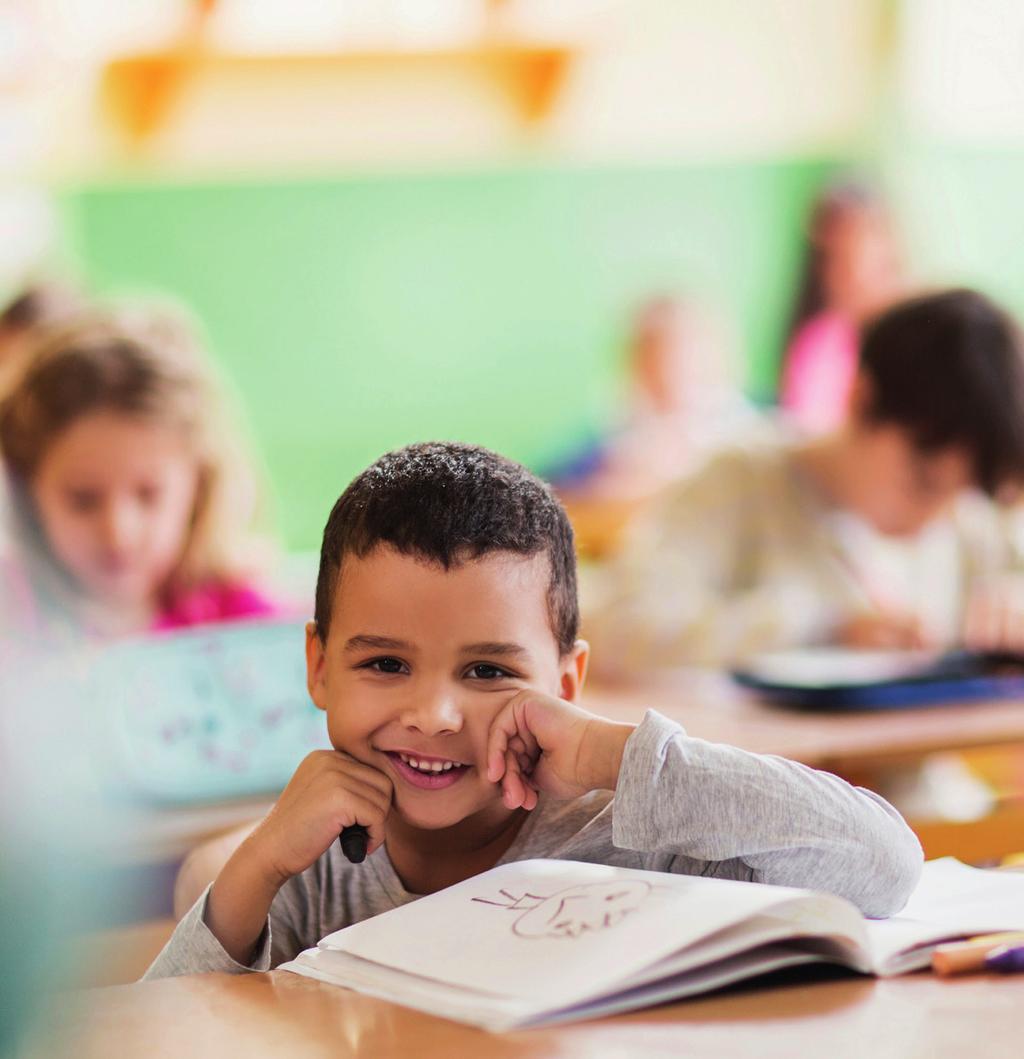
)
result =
(427, 861)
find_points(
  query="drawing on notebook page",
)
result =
(571, 912)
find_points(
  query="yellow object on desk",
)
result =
(962, 957)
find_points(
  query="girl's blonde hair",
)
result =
(144, 362)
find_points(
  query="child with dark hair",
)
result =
(877, 534)
(445, 654)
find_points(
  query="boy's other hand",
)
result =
(995, 616)
(328, 792)
(542, 743)
(891, 630)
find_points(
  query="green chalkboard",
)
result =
(361, 312)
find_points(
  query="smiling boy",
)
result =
(444, 653)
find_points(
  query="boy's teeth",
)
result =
(427, 766)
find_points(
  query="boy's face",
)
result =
(418, 662)
(899, 489)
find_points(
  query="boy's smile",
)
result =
(418, 662)
(427, 773)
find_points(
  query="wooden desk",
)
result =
(711, 707)
(252, 1016)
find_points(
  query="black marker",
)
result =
(353, 842)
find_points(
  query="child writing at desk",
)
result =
(444, 654)
(129, 508)
(878, 534)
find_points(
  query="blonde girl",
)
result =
(131, 506)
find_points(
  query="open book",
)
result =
(547, 941)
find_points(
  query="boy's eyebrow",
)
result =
(495, 647)
(386, 643)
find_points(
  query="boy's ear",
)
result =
(574, 671)
(316, 661)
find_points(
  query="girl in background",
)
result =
(683, 403)
(130, 504)
(852, 270)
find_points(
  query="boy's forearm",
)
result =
(601, 752)
(785, 823)
(238, 906)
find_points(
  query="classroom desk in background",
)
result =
(854, 745)
(263, 1015)
(710, 706)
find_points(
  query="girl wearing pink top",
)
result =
(852, 270)
(130, 507)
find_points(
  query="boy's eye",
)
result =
(385, 665)
(485, 671)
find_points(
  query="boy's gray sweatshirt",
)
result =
(682, 805)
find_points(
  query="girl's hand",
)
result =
(995, 616)
(541, 743)
(328, 792)
(889, 631)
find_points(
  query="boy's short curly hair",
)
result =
(446, 502)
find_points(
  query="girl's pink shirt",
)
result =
(216, 602)
(818, 373)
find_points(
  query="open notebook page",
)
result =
(602, 927)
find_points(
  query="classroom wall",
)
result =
(954, 150)
(359, 313)
(646, 79)
(462, 275)
(961, 208)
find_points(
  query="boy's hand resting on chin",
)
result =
(541, 743)
(328, 792)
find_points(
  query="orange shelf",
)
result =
(141, 91)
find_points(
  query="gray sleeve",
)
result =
(193, 948)
(292, 925)
(761, 818)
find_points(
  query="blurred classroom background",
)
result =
(437, 218)
(409, 219)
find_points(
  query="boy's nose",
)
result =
(435, 714)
